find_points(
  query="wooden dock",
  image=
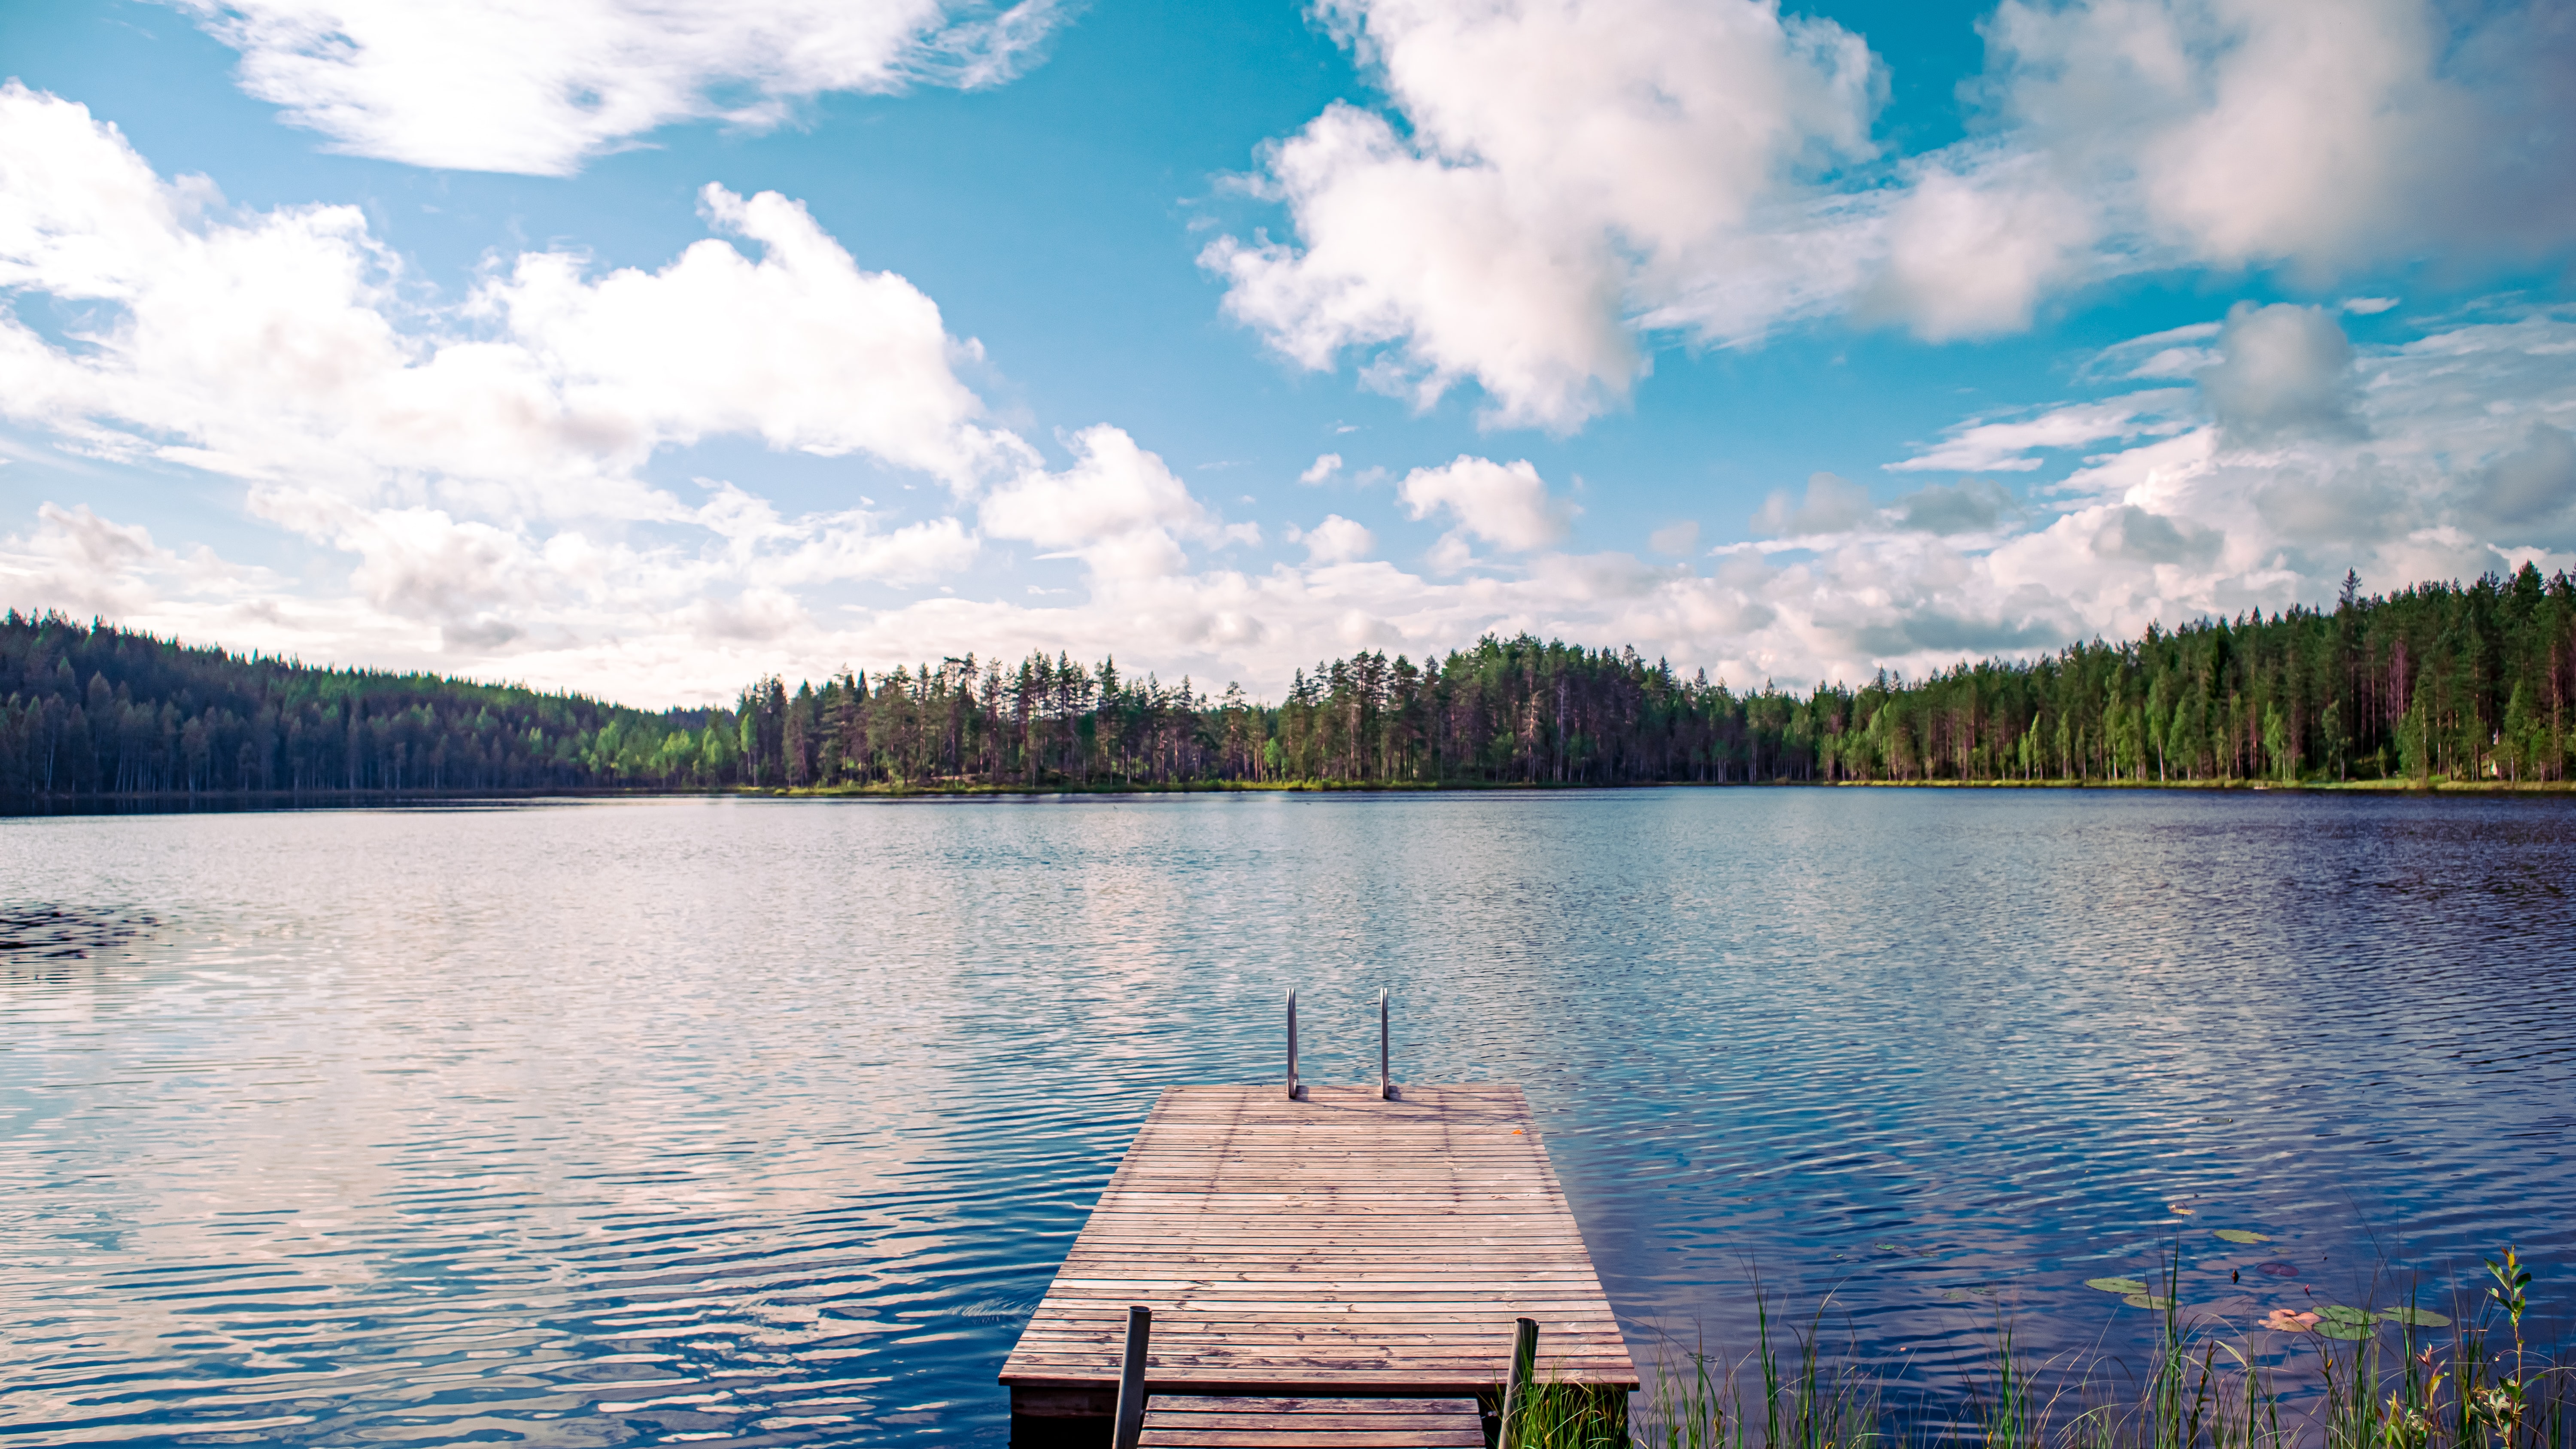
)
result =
(1338, 1244)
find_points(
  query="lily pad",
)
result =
(2344, 1313)
(2417, 1317)
(2220, 1121)
(2116, 1285)
(2147, 1300)
(2239, 1235)
(2348, 1332)
(2278, 1270)
(2182, 1208)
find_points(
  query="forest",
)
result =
(2438, 682)
(94, 713)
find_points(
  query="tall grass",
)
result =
(2402, 1378)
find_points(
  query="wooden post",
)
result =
(1130, 1424)
(1292, 1043)
(1385, 1080)
(1516, 1388)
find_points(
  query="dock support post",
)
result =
(1516, 1389)
(1130, 1424)
(1293, 1089)
(1385, 1078)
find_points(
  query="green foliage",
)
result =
(2438, 681)
(91, 713)
(2376, 1383)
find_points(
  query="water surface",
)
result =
(768, 1122)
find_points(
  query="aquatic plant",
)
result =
(2374, 1379)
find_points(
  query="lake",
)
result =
(769, 1121)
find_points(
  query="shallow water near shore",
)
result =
(768, 1122)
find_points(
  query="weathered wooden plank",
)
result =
(1211, 1422)
(1276, 1406)
(1345, 1243)
(1300, 1437)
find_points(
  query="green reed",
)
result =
(2386, 1382)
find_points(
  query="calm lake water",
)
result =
(765, 1121)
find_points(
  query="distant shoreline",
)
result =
(243, 801)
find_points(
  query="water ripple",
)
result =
(768, 1123)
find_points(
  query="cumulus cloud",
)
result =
(2528, 495)
(1321, 470)
(1559, 156)
(1836, 505)
(1973, 505)
(290, 344)
(1971, 251)
(2134, 533)
(2284, 373)
(80, 537)
(1675, 538)
(1335, 540)
(1561, 180)
(2324, 133)
(1832, 505)
(801, 348)
(479, 468)
(1118, 507)
(479, 462)
(1506, 504)
(2466, 426)
(2353, 501)
(486, 85)
(74, 559)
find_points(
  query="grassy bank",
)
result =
(2393, 1376)
(2436, 786)
(902, 789)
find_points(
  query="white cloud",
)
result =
(2527, 495)
(1321, 470)
(2324, 133)
(2176, 352)
(1562, 179)
(852, 547)
(1335, 540)
(2368, 306)
(1984, 447)
(1561, 158)
(1118, 507)
(1836, 505)
(478, 468)
(1970, 252)
(1973, 505)
(83, 539)
(75, 560)
(1676, 539)
(478, 463)
(2283, 373)
(1502, 503)
(1832, 505)
(2467, 429)
(290, 345)
(488, 85)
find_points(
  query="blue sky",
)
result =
(643, 353)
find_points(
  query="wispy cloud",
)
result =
(2011, 447)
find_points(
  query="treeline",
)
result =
(2438, 681)
(92, 713)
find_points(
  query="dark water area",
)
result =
(768, 1122)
